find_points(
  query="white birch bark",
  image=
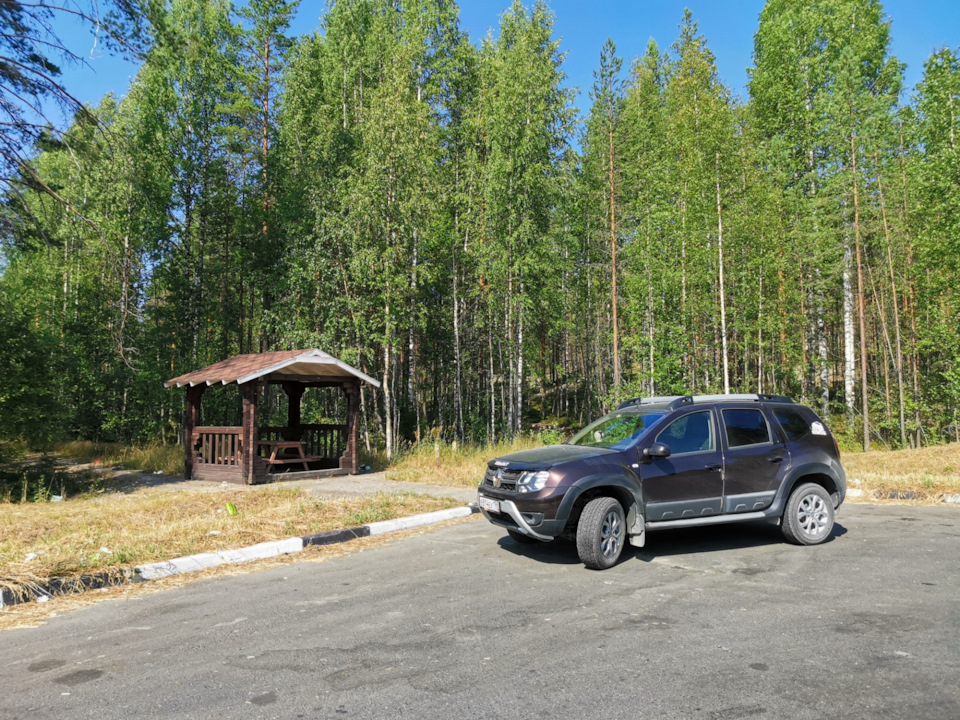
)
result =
(723, 301)
(387, 396)
(518, 417)
(849, 347)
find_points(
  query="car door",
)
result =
(688, 483)
(754, 458)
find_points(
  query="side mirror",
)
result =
(657, 450)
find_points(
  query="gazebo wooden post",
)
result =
(294, 393)
(350, 460)
(249, 434)
(191, 419)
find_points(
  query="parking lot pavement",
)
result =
(462, 622)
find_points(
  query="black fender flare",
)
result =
(794, 477)
(627, 492)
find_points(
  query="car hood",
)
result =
(545, 457)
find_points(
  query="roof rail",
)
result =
(745, 397)
(672, 401)
(775, 398)
(675, 401)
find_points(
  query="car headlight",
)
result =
(532, 481)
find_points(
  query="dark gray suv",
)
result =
(671, 462)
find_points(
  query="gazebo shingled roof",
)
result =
(285, 364)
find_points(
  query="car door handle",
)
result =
(776, 458)
(713, 467)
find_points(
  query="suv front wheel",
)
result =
(600, 533)
(808, 519)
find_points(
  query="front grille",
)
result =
(508, 479)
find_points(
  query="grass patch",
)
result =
(39, 478)
(453, 466)
(113, 531)
(31, 477)
(926, 474)
(150, 458)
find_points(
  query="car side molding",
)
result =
(707, 520)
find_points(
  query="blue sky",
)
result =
(918, 28)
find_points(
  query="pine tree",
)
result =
(601, 170)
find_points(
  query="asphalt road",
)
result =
(719, 623)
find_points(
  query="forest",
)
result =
(434, 211)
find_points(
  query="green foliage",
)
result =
(430, 211)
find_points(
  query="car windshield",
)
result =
(618, 430)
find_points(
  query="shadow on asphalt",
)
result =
(667, 543)
(557, 552)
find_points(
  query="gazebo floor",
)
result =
(219, 473)
(301, 475)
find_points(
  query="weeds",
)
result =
(166, 458)
(40, 479)
(453, 465)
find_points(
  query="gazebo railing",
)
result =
(218, 445)
(319, 440)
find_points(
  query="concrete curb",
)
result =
(191, 563)
(405, 523)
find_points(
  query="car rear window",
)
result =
(793, 423)
(745, 427)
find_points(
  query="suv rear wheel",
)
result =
(600, 533)
(808, 519)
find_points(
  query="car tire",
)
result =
(808, 518)
(601, 533)
(520, 537)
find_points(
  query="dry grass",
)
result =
(168, 458)
(35, 614)
(114, 531)
(921, 476)
(460, 466)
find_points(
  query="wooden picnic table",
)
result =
(278, 445)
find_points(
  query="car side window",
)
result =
(745, 427)
(794, 425)
(688, 434)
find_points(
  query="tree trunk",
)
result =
(387, 394)
(457, 360)
(723, 301)
(821, 337)
(518, 416)
(849, 347)
(613, 263)
(265, 133)
(491, 427)
(861, 310)
(760, 337)
(895, 302)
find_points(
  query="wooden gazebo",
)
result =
(253, 454)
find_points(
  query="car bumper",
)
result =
(535, 517)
